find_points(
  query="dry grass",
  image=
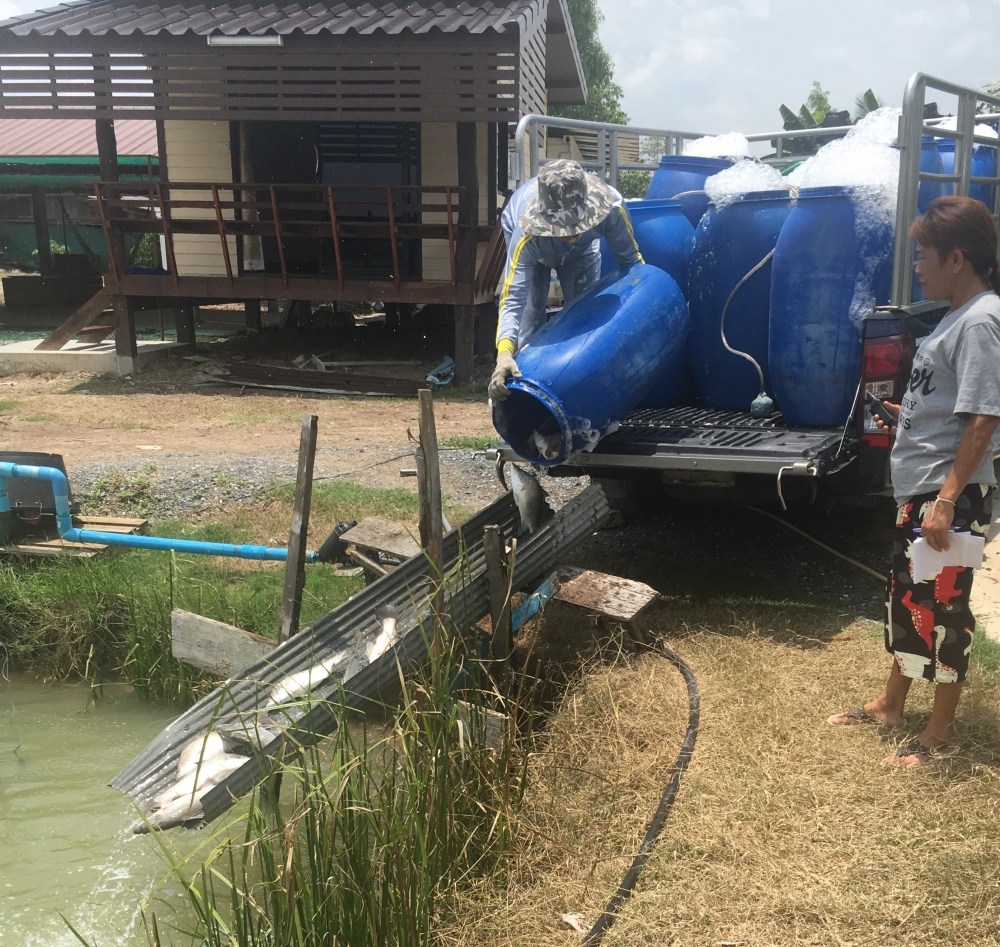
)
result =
(785, 832)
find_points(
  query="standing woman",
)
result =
(942, 471)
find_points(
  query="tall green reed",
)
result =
(376, 827)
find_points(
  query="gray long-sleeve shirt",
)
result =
(527, 255)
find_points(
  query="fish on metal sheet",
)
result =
(181, 802)
(197, 751)
(388, 616)
(209, 773)
(530, 498)
(300, 683)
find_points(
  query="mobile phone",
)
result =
(878, 410)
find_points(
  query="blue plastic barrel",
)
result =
(728, 244)
(930, 160)
(664, 235)
(984, 164)
(591, 364)
(833, 258)
(682, 178)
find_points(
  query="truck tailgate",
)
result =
(714, 440)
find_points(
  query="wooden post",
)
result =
(502, 642)
(468, 225)
(125, 343)
(251, 310)
(295, 571)
(429, 488)
(185, 324)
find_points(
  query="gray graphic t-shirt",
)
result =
(956, 373)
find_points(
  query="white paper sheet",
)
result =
(965, 549)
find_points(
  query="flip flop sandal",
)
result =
(915, 748)
(855, 717)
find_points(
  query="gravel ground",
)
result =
(176, 486)
(675, 546)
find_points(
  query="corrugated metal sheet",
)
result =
(103, 17)
(25, 137)
(407, 587)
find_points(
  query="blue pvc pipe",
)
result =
(73, 534)
(532, 605)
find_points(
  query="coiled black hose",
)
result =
(607, 917)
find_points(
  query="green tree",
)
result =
(818, 103)
(603, 93)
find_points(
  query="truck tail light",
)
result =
(885, 366)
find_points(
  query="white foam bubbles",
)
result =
(730, 145)
(742, 178)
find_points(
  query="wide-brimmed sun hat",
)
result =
(570, 201)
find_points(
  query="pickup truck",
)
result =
(690, 451)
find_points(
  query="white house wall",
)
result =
(198, 152)
(439, 166)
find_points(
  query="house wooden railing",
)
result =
(284, 212)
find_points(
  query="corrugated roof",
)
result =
(22, 137)
(102, 17)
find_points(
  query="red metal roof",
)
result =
(25, 137)
(147, 17)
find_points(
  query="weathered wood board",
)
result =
(215, 646)
(377, 535)
(44, 539)
(619, 599)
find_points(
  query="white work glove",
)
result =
(506, 368)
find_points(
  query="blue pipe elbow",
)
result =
(71, 533)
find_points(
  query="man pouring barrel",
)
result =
(554, 222)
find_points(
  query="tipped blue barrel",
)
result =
(682, 178)
(591, 364)
(984, 164)
(729, 264)
(832, 260)
(664, 235)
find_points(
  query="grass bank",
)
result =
(785, 832)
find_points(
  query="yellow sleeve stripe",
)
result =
(631, 232)
(509, 278)
(505, 345)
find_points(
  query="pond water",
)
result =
(66, 841)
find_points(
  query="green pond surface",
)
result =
(66, 841)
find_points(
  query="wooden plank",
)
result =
(80, 319)
(107, 522)
(378, 535)
(27, 549)
(611, 595)
(295, 564)
(370, 566)
(215, 646)
(480, 724)
(431, 525)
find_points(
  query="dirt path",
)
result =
(97, 419)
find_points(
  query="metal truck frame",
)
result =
(689, 449)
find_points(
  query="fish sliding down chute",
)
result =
(241, 730)
(592, 363)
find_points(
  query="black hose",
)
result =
(607, 917)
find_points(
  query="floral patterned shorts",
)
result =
(929, 624)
